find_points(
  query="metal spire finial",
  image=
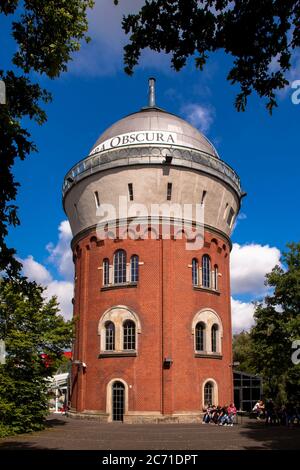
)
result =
(152, 103)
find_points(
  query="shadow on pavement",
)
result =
(271, 437)
(54, 422)
(16, 445)
(20, 441)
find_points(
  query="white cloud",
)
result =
(61, 254)
(242, 216)
(61, 258)
(248, 266)
(104, 54)
(242, 315)
(62, 289)
(35, 271)
(64, 292)
(199, 116)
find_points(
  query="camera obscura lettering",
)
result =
(136, 138)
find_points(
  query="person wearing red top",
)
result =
(231, 410)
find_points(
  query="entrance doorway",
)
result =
(208, 393)
(118, 401)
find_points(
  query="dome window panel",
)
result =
(76, 210)
(169, 192)
(225, 210)
(97, 199)
(130, 191)
(230, 217)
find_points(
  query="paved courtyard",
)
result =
(70, 434)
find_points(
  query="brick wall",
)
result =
(166, 303)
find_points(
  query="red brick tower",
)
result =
(153, 329)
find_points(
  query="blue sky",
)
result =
(95, 92)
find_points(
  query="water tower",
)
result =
(153, 317)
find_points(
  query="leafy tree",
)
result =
(46, 34)
(256, 33)
(242, 352)
(277, 325)
(35, 337)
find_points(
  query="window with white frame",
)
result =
(109, 336)
(208, 331)
(214, 338)
(105, 272)
(208, 393)
(118, 329)
(129, 335)
(204, 277)
(206, 271)
(120, 267)
(200, 336)
(134, 268)
(216, 273)
(121, 273)
(195, 272)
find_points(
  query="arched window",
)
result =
(129, 335)
(199, 336)
(205, 271)
(105, 272)
(195, 271)
(120, 267)
(118, 401)
(109, 336)
(208, 393)
(208, 331)
(216, 277)
(214, 337)
(118, 329)
(134, 268)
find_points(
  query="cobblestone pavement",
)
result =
(71, 434)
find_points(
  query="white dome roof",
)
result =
(156, 119)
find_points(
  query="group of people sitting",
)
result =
(219, 415)
(287, 414)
